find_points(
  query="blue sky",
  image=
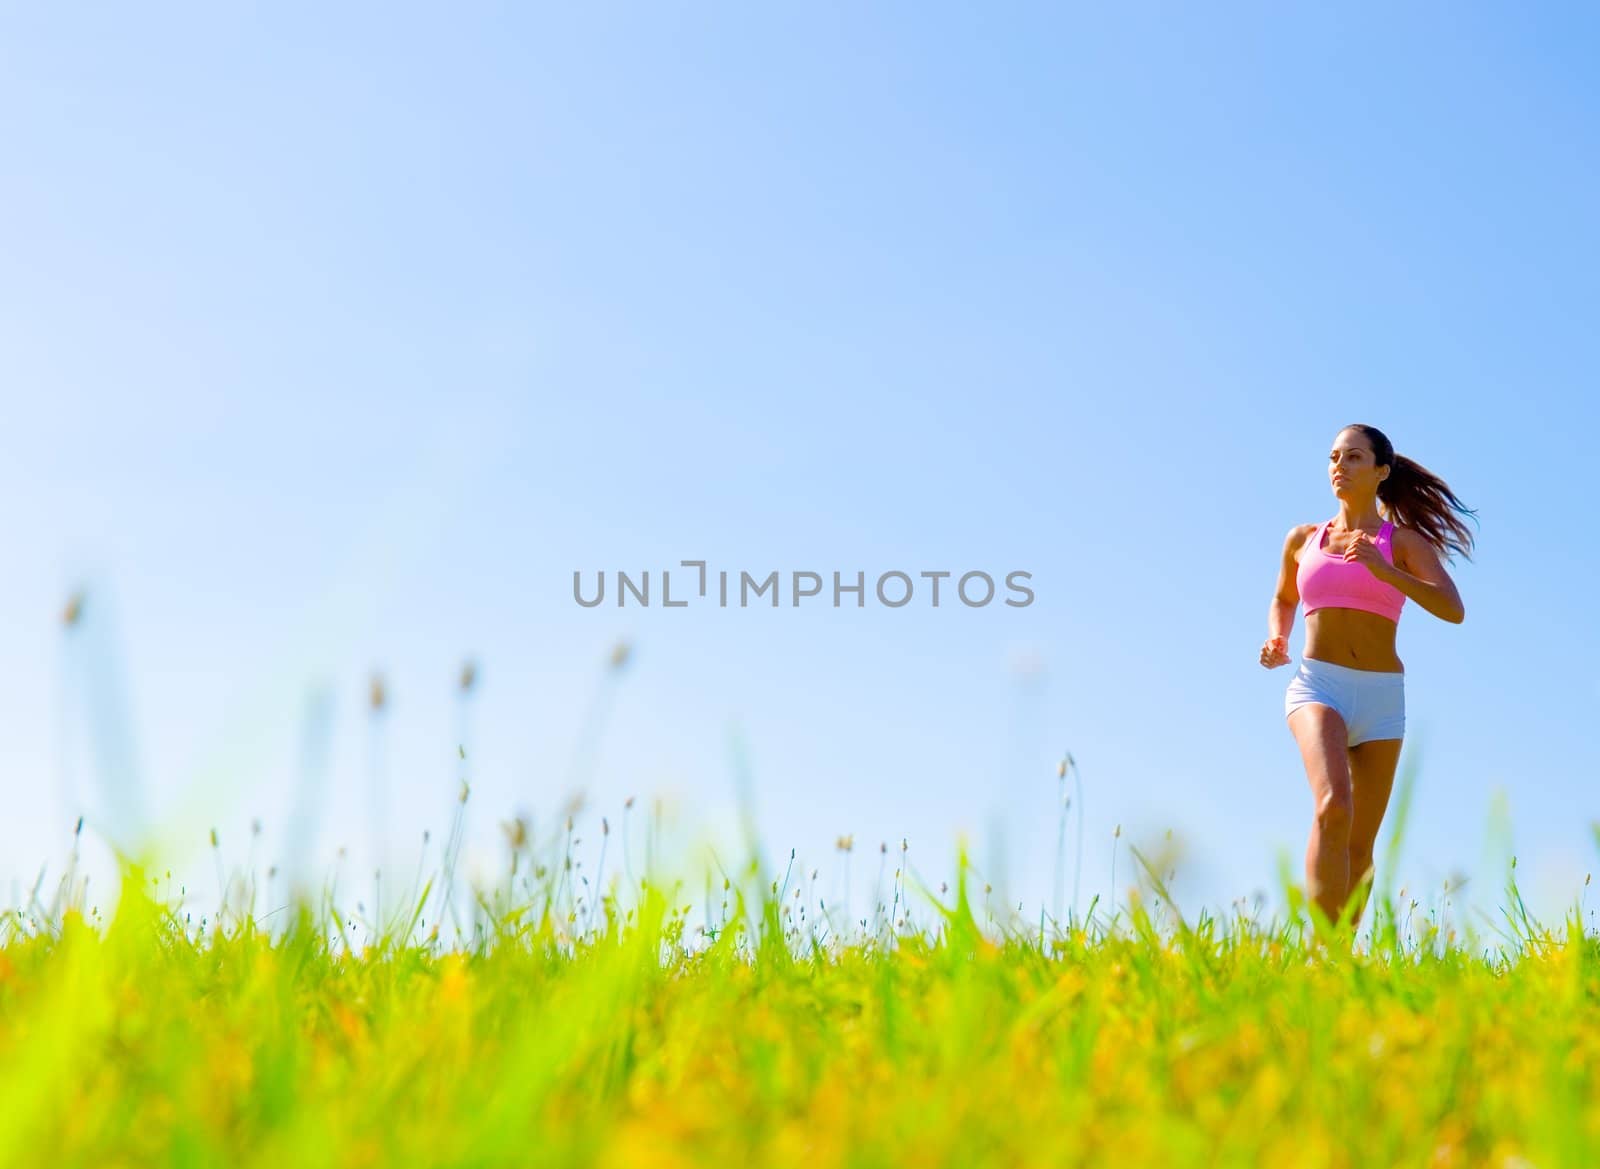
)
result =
(333, 342)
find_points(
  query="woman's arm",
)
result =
(1417, 573)
(1286, 596)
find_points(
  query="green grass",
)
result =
(559, 1033)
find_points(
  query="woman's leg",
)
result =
(1320, 732)
(1372, 767)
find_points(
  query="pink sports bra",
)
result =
(1327, 581)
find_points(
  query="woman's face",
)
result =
(1351, 468)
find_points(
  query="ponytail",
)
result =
(1414, 497)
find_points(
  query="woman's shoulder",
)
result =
(1296, 539)
(1410, 546)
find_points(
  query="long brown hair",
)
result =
(1414, 497)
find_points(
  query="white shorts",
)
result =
(1371, 702)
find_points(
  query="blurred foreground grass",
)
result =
(149, 1040)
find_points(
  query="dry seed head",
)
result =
(1115, 835)
(213, 838)
(628, 803)
(845, 843)
(377, 694)
(469, 675)
(462, 798)
(73, 611)
(619, 653)
(1061, 770)
(605, 826)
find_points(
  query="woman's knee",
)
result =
(1335, 812)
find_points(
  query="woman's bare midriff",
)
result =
(1354, 638)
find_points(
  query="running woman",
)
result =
(1346, 704)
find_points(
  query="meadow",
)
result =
(546, 1030)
